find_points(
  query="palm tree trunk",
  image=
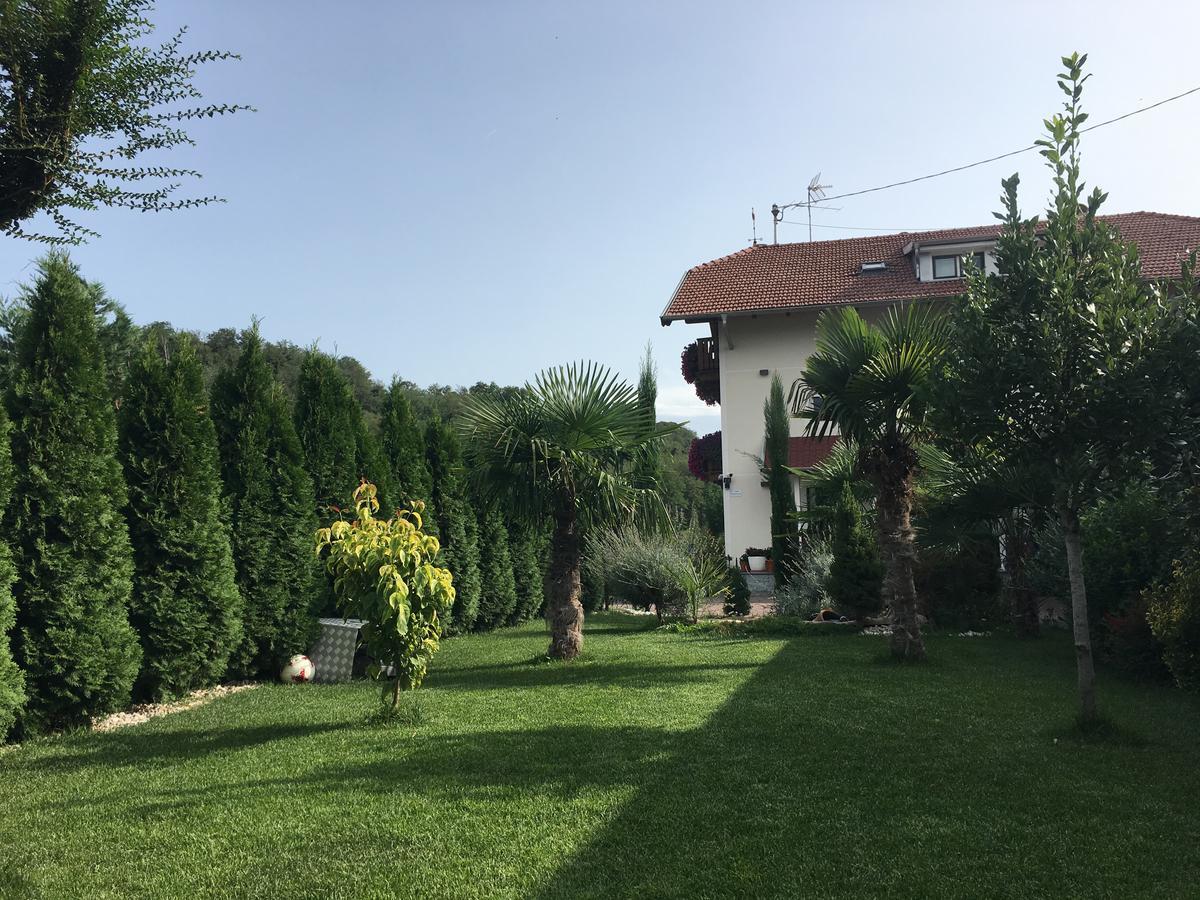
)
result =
(1073, 539)
(898, 545)
(564, 612)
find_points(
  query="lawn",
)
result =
(657, 765)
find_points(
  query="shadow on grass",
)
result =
(822, 776)
(135, 747)
(537, 673)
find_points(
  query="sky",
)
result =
(456, 192)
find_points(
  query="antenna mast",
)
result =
(816, 193)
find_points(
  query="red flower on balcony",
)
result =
(704, 456)
(701, 368)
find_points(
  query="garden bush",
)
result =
(737, 601)
(807, 591)
(185, 604)
(384, 572)
(670, 571)
(1173, 613)
(960, 587)
(856, 572)
(269, 499)
(70, 543)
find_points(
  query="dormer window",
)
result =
(954, 266)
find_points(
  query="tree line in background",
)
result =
(161, 493)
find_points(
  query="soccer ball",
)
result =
(298, 670)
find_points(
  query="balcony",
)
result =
(701, 366)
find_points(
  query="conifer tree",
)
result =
(498, 590)
(327, 424)
(856, 573)
(528, 547)
(371, 464)
(70, 543)
(403, 447)
(270, 501)
(185, 605)
(784, 543)
(12, 681)
(456, 524)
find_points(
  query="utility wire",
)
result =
(983, 162)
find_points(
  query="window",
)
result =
(954, 266)
(945, 267)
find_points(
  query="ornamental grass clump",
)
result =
(383, 573)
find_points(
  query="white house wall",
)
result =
(780, 344)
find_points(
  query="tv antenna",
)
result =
(816, 193)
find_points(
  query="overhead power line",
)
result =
(992, 159)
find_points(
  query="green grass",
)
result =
(658, 765)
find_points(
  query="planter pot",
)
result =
(757, 563)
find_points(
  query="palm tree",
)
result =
(563, 448)
(869, 383)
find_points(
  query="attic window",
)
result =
(874, 267)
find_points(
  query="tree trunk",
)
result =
(898, 545)
(1072, 537)
(1021, 599)
(564, 612)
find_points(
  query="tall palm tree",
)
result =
(869, 383)
(564, 448)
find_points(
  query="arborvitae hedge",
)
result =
(327, 421)
(185, 605)
(270, 501)
(403, 447)
(456, 525)
(372, 466)
(528, 547)
(856, 575)
(12, 681)
(71, 547)
(498, 591)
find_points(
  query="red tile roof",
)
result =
(785, 276)
(806, 452)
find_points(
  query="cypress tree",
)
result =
(528, 548)
(371, 463)
(856, 574)
(12, 681)
(185, 605)
(647, 469)
(784, 544)
(327, 424)
(455, 522)
(269, 497)
(498, 591)
(403, 448)
(71, 546)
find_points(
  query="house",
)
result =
(761, 306)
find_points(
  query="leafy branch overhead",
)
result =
(86, 106)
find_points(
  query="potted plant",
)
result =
(756, 558)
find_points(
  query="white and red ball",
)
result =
(299, 670)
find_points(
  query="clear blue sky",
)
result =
(456, 192)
